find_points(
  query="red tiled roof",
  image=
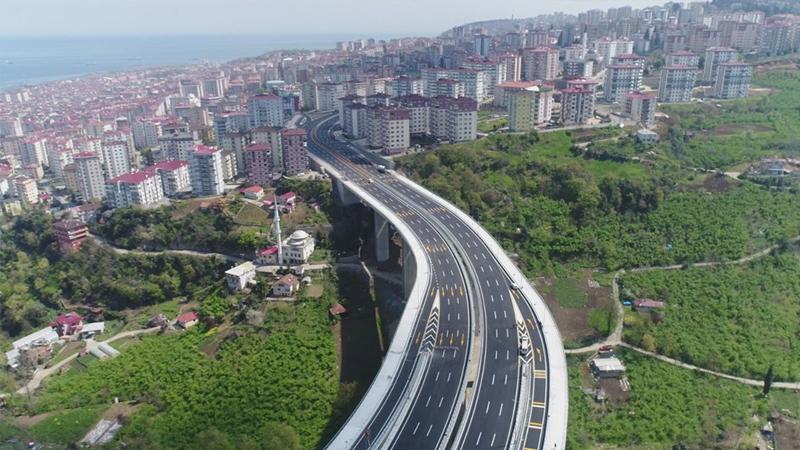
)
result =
(267, 251)
(186, 317)
(205, 149)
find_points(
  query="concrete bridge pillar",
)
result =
(409, 270)
(341, 195)
(381, 237)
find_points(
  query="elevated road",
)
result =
(483, 366)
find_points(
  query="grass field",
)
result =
(67, 426)
(568, 294)
(252, 215)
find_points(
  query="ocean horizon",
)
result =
(34, 60)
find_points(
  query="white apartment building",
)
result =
(620, 80)
(676, 84)
(206, 171)
(176, 146)
(265, 110)
(714, 57)
(328, 95)
(115, 158)
(475, 81)
(90, 176)
(26, 189)
(733, 80)
(134, 189)
(641, 107)
(174, 176)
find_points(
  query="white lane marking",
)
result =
(491, 297)
(500, 413)
(488, 403)
(429, 430)
(495, 314)
(415, 429)
(507, 354)
(437, 376)
(479, 438)
(495, 354)
(449, 374)
(482, 270)
(496, 282)
(428, 402)
(505, 315)
(440, 401)
(492, 382)
(494, 435)
(505, 380)
(496, 331)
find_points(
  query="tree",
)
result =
(213, 439)
(278, 436)
(768, 381)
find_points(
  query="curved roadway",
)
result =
(464, 381)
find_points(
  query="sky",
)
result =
(202, 17)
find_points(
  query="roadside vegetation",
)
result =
(37, 280)
(666, 406)
(737, 319)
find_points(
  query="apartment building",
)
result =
(620, 80)
(577, 105)
(258, 160)
(134, 189)
(90, 176)
(714, 57)
(676, 84)
(540, 64)
(265, 110)
(529, 108)
(115, 158)
(390, 129)
(641, 107)
(174, 176)
(294, 149)
(733, 80)
(206, 171)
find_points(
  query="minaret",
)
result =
(276, 226)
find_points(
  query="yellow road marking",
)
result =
(539, 404)
(535, 425)
(462, 340)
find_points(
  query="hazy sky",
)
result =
(67, 17)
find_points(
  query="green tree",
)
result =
(278, 436)
(768, 379)
(213, 439)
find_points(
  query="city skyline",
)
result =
(150, 17)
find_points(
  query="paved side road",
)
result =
(122, 251)
(747, 381)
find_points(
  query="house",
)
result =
(68, 324)
(267, 256)
(647, 305)
(287, 199)
(646, 137)
(187, 320)
(241, 276)
(610, 367)
(286, 286)
(337, 310)
(253, 192)
(44, 339)
(91, 330)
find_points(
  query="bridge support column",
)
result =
(381, 237)
(342, 196)
(409, 270)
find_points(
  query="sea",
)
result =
(33, 60)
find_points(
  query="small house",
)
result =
(610, 367)
(286, 286)
(67, 324)
(44, 338)
(647, 137)
(267, 256)
(646, 305)
(287, 199)
(187, 320)
(90, 330)
(241, 276)
(253, 192)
